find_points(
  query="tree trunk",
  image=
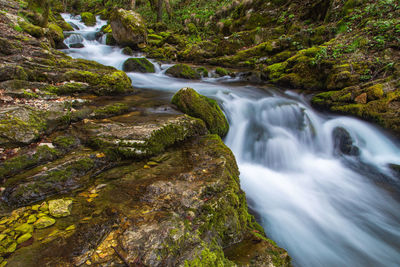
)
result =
(168, 8)
(133, 4)
(159, 10)
(45, 15)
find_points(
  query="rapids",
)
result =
(325, 207)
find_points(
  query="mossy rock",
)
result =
(127, 51)
(60, 207)
(202, 71)
(110, 39)
(375, 92)
(111, 110)
(44, 222)
(55, 33)
(109, 83)
(128, 28)
(142, 65)
(88, 18)
(190, 102)
(183, 71)
(221, 72)
(31, 29)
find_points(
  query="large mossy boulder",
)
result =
(138, 65)
(88, 18)
(196, 105)
(183, 71)
(128, 28)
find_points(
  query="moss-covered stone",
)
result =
(55, 33)
(110, 39)
(21, 125)
(24, 237)
(221, 71)
(111, 110)
(202, 71)
(127, 51)
(128, 28)
(116, 82)
(44, 222)
(190, 102)
(142, 65)
(60, 207)
(88, 18)
(31, 29)
(375, 92)
(183, 71)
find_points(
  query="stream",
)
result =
(325, 207)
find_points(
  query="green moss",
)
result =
(19, 163)
(154, 39)
(196, 105)
(221, 71)
(276, 70)
(88, 18)
(209, 258)
(183, 71)
(202, 71)
(127, 51)
(65, 142)
(155, 143)
(68, 88)
(116, 82)
(106, 29)
(31, 29)
(375, 92)
(55, 33)
(138, 65)
(110, 39)
(111, 110)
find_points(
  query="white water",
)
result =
(324, 208)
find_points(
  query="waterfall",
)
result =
(322, 184)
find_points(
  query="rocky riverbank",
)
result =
(94, 172)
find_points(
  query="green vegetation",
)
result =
(183, 71)
(190, 102)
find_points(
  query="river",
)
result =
(324, 207)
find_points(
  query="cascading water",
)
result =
(327, 207)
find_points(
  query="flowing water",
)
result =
(325, 207)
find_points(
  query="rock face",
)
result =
(183, 71)
(138, 65)
(168, 214)
(343, 142)
(128, 28)
(190, 102)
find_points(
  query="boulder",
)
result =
(128, 28)
(183, 71)
(60, 207)
(343, 142)
(138, 65)
(190, 102)
(88, 18)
